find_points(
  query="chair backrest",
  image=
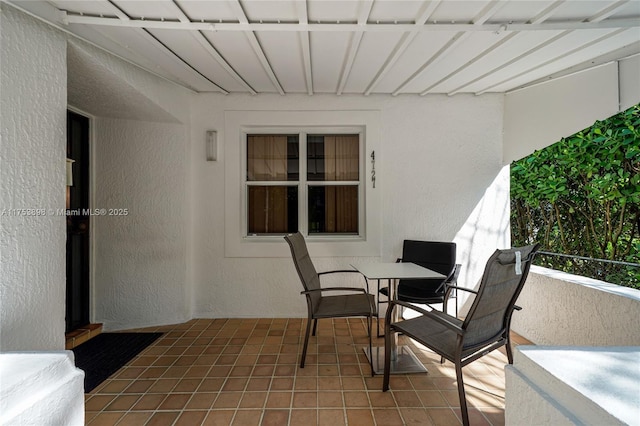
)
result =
(504, 276)
(438, 256)
(306, 271)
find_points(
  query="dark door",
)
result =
(77, 314)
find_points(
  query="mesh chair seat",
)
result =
(351, 305)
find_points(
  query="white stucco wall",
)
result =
(141, 255)
(437, 159)
(32, 176)
(540, 115)
(564, 309)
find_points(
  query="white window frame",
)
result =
(240, 123)
(303, 183)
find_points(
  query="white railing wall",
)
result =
(561, 309)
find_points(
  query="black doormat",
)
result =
(106, 353)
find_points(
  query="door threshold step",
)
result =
(79, 336)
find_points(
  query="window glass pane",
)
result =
(272, 209)
(333, 209)
(272, 157)
(332, 157)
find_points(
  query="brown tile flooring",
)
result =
(245, 372)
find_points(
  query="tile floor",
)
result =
(245, 372)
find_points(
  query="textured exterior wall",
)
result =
(564, 309)
(32, 176)
(44, 389)
(439, 158)
(140, 257)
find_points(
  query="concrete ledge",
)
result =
(573, 385)
(41, 388)
(564, 309)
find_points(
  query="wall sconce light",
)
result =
(212, 145)
(70, 171)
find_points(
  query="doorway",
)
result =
(78, 237)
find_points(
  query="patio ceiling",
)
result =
(353, 46)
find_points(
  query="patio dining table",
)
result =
(403, 360)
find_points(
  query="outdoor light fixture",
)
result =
(212, 145)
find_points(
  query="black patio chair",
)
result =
(358, 303)
(484, 329)
(439, 256)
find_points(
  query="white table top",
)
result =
(396, 270)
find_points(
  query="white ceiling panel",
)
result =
(353, 46)
(508, 48)
(451, 60)
(270, 10)
(398, 10)
(423, 48)
(183, 44)
(374, 50)
(216, 11)
(601, 45)
(333, 10)
(285, 56)
(328, 50)
(144, 9)
(236, 50)
(461, 11)
(166, 63)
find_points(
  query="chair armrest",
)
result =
(347, 271)
(338, 271)
(431, 315)
(358, 289)
(462, 288)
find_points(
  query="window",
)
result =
(305, 181)
(308, 181)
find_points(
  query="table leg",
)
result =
(403, 360)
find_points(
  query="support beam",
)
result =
(305, 45)
(71, 18)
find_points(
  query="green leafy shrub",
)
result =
(581, 196)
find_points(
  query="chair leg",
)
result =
(509, 350)
(461, 395)
(387, 357)
(315, 326)
(306, 343)
(373, 373)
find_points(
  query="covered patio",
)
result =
(442, 94)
